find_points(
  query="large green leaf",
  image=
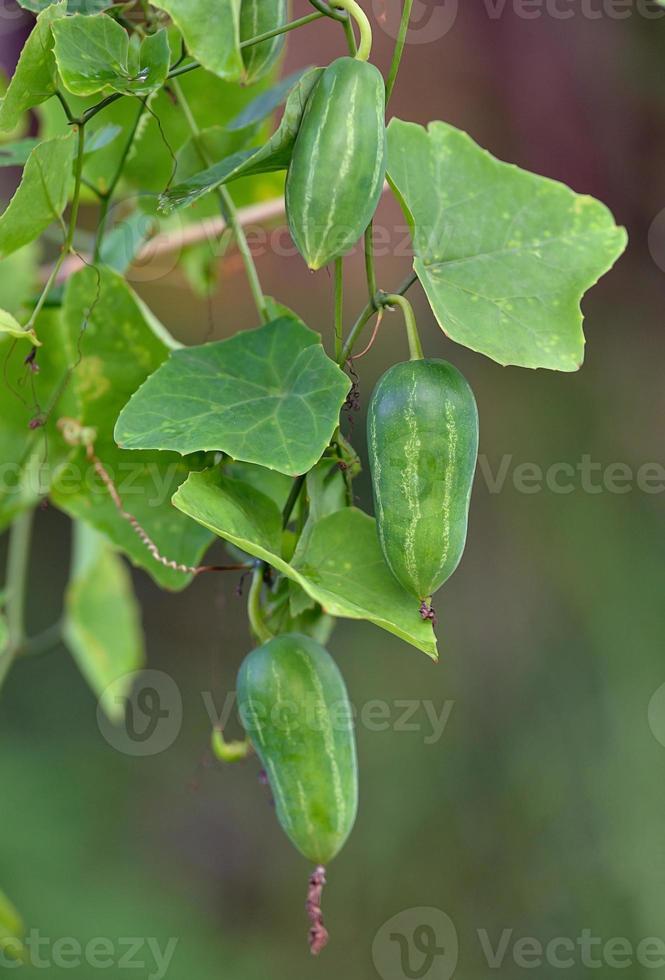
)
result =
(340, 566)
(504, 256)
(94, 53)
(102, 626)
(41, 196)
(211, 36)
(269, 396)
(35, 78)
(117, 345)
(273, 156)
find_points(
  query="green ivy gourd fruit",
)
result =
(339, 162)
(422, 433)
(295, 709)
(258, 17)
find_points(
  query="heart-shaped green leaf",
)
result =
(273, 156)
(504, 255)
(340, 566)
(269, 396)
(41, 196)
(94, 53)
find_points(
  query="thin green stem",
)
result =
(328, 11)
(364, 26)
(44, 642)
(399, 48)
(376, 303)
(296, 489)
(339, 307)
(415, 346)
(109, 100)
(285, 29)
(356, 331)
(370, 267)
(108, 194)
(350, 36)
(65, 105)
(76, 199)
(254, 608)
(69, 237)
(228, 209)
(18, 560)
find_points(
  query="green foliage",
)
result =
(339, 565)
(338, 166)
(269, 396)
(508, 286)
(95, 53)
(155, 449)
(41, 196)
(296, 711)
(102, 625)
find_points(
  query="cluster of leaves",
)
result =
(217, 441)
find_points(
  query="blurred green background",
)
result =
(541, 807)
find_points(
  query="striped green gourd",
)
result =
(294, 707)
(338, 165)
(422, 434)
(258, 17)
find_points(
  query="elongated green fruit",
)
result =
(295, 709)
(423, 445)
(338, 165)
(258, 17)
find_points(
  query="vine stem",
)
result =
(370, 267)
(108, 194)
(399, 48)
(415, 346)
(18, 559)
(375, 305)
(339, 307)
(228, 209)
(69, 237)
(298, 484)
(254, 610)
(356, 11)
